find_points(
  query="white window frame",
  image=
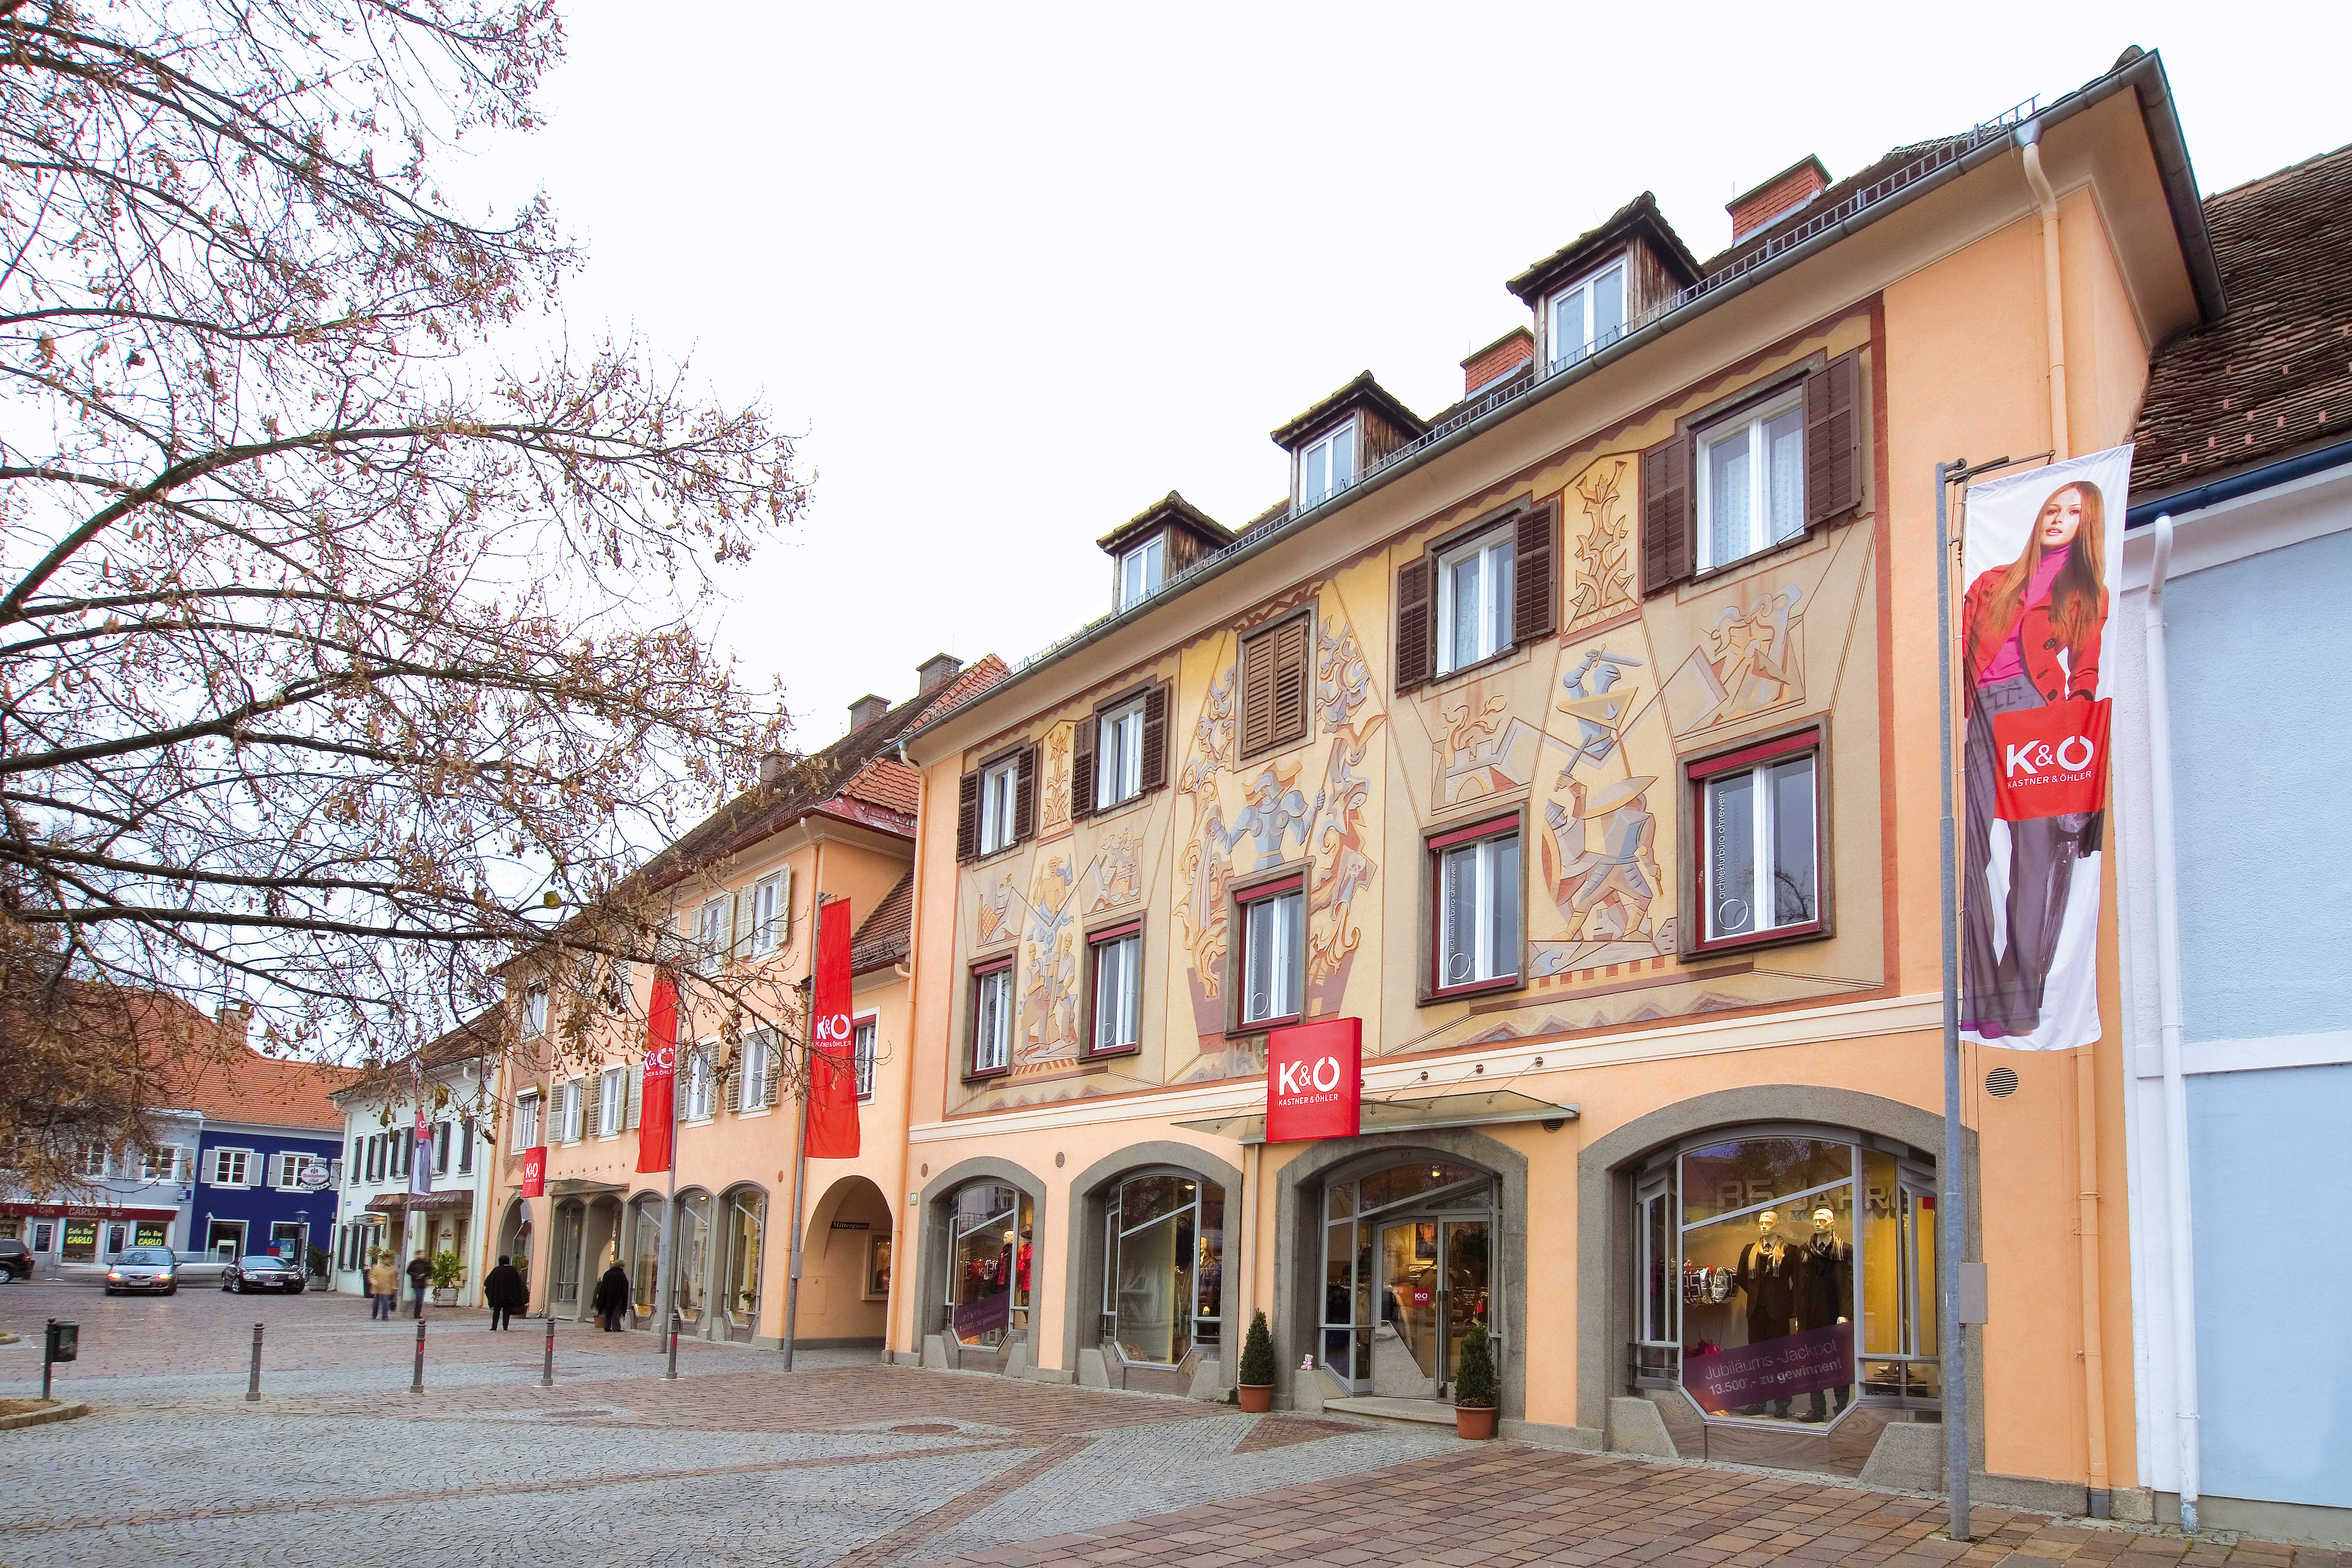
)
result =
(1486, 550)
(95, 1155)
(1573, 307)
(526, 1124)
(1000, 790)
(221, 1165)
(1118, 755)
(1491, 886)
(1121, 1008)
(751, 1073)
(1284, 914)
(619, 981)
(1762, 840)
(172, 1155)
(612, 1101)
(1141, 571)
(573, 1109)
(991, 1026)
(712, 939)
(770, 919)
(1749, 427)
(698, 1098)
(865, 1031)
(534, 1011)
(1330, 451)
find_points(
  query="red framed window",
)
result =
(1478, 892)
(1270, 957)
(1115, 990)
(991, 1019)
(1760, 854)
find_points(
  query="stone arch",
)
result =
(837, 1309)
(1083, 1268)
(930, 1279)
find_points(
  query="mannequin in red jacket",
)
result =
(2031, 637)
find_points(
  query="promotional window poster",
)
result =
(2042, 553)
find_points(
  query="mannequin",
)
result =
(1766, 1279)
(1822, 1273)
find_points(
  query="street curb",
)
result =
(43, 1417)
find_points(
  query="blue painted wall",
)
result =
(261, 1206)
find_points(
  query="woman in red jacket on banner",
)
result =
(2030, 635)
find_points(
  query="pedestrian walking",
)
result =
(383, 1284)
(611, 1297)
(420, 1275)
(505, 1292)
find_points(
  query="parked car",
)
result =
(16, 1262)
(143, 1268)
(194, 1267)
(261, 1271)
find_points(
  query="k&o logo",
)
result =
(2071, 755)
(1295, 1077)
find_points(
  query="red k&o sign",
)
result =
(534, 1171)
(2050, 762)
(1314, 1081)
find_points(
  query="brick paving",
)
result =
(843, 1462)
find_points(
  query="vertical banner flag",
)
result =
(534, 1171)
(420, 1155)
(832, 1072)
(2040, 553)
(1314, 1081)
(657, 1112)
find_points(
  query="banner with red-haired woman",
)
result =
(2040, 554)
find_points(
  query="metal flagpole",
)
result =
(800, 1140)
(666, 1298)
(1953, 1233)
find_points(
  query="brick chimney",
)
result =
(1498, 360)
(235, 1019)
(868, 709)
(1785, 192)
(772, 766)
(935, 672)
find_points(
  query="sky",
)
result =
(1011, 274)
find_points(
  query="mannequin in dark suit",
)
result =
(1822, 1275)
(1766, 1277)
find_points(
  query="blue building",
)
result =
(268, 1158)
(2237, 950)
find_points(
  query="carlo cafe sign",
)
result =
(1314, 1081)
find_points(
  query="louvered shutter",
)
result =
(1290, 660)
(1024, 796)
(1416, 637)
(1534, 590)
(1257, 694)
(775, 1070)
(635, 1088)
(1666, 515)
(784, 911)
(1082, 765)
(746, 932)
(682, 1090)
(1833, 440)
(968, 817)
(1155, 737)
(735, 1084)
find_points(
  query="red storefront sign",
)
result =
(2050, 762)
(1314, 1081)
(96, 1211)
(534, 1171)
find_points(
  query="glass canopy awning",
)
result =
(1485, 1108)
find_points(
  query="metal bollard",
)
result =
(253, 1376)
(49, 1340)
(547, 1366)
(416, 1383)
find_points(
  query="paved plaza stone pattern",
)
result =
(840, 1462)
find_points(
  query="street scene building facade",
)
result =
(378, 1213)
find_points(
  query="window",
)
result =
(697, 1084)
(1589, 317)
(1115, 987)
(993, 804)
(862, 1037)
(534, 1012)
(92, 1161)
(1758, 811)
(1164, 1266)
(286, 1169)
(1273, 952)
(611, 1093)
(232, 1167)
(990, 1228)
(769, 914)
(1478, 894)
(992, 1019)
(999, 786)
(1275, 684)
(1118, 755)
(404, 1149)
(568, 1099)
(1328, 465)
(1139, 572)
(747, 1086)
(441, 1133)
(712, 937)
(159, 1164)
(466, 1147)
(615, 985)
(369, 1162)
(1473, 601)
(1751, 482)
(526, 1134)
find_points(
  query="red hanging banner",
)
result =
(832, 1072)
(1314, 1081)
(657, 1115)
(534, 1171)
(2050, 761)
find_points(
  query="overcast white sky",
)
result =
(1013, 274)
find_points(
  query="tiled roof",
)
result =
(1364, 392)
(886, 936)
(2274, 374)
(268, 1090)
(1641, 216)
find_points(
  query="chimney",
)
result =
(935, 672)
(868, 709)
(772, 766)
(234, 1018)
(1498, 360)
(1784, 193)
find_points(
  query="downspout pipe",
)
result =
(2054, 307)
(2179, 1231)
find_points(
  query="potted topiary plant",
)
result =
(1257, 1367)
(1474, 1387)
(447, 1270)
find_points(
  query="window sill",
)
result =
(1112, 1055)
(1699, 577)
(1777, 936)
(1430, 998)
(1260, 1025)
(755, 1113)
(1120, 807)
(986, 1075)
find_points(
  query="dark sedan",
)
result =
(143, 1268)
(260, 1271)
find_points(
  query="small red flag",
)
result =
(534, 1171)
(832, 1072)
(657, 1117)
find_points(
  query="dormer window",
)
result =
(1139, 572)
(1589, 317)
(1328, 465)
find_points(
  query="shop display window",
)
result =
(989, 1255)
(1164, 1266)
(1779, 1278)
(693, 1256)
(743, 1233)
(81, 1242)
(643, 1278)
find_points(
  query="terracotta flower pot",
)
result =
(1257, 1399)
(1476, 1422)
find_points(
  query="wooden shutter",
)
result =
(1257, 694)
(1290, 669)
(735, 1083)
(745, 922)
(1155, 737)
(1666, 515)
(635, 1091)
(968, 817)
(1833, 440)
(775, 1070)
(1082, 765)
(1024, 796)
(1415, 637)
(1535, 576)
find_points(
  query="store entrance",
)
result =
(1433, 1289)
(1408, 1273)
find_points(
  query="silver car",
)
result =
(195, 1266)
(143, 1268)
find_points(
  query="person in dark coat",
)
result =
(611, 1297)
(420, 1275)
(504, 1292)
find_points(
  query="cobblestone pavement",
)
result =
(840, 1462)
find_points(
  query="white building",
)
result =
(460, 1078)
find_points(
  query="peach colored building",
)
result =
(1581, 740)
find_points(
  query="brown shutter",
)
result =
(1082, 766)
(1290, 680)
(1833, 440)
(1155, 737)
(1666, 515)
(1535, 586)
(1414, 636)
(1024, 796)
(1257, 694)
(968, 817)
